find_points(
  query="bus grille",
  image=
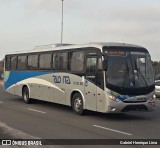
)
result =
(133, 101)
(134, 108)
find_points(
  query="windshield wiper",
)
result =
(140, 73)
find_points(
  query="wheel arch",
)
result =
(25, 85)
(80, 92)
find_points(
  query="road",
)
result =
(52, 121)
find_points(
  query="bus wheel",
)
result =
(77, 104)
(25, 95)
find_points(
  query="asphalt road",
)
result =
(52, 121)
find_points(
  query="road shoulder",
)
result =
(1, 81)
(7, 132)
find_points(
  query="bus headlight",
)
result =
(114, 98)
(152, 98)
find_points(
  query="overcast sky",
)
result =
(28, 23)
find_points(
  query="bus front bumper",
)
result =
(119, 107)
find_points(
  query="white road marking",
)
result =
(113, 130)
(36, 110)
(1, 102)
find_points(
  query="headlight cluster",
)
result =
(152, 98)
(114, 98)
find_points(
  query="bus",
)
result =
(103, 77)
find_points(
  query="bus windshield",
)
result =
(129, 69)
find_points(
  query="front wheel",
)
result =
(25, 95)
(77, 104)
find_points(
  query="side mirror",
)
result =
(104, 65)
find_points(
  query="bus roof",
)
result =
(54, 47)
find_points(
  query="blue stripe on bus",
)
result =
(17, 76)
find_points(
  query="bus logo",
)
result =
(63, 79)
(131, 84)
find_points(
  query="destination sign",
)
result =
(123, 53)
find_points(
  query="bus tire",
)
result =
(25, 95)
(77, 104)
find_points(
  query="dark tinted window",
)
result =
(157, 77)
(99, 66)
(91, 69)
(62, 61)
(13, 62)
(76, 61)
(7, 63)
(32, 62)
(45, 61)
(99, 75)
(59, 61)
(21, 65)
(55, 61)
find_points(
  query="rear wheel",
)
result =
(25, 95)
(77, 104)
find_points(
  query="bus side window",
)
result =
(62, 61)
(13, 62)
(45, 62)
(7, 63)
(32, 62)
(76, 61)
(99, 78)
(21, 65)
(91, 69)
(55, 64)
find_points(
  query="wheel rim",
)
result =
(78, 104)
(25, 95)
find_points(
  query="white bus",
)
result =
(102, 77)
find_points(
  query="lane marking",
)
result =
(36, 110)
(1, 102)
(113, 130)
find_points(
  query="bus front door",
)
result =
(90, 85)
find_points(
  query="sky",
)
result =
(25, 24)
